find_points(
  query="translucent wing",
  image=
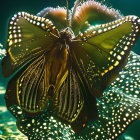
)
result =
(102, 51)
(29, 36)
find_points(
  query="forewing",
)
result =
(29, 36)
(102, 51)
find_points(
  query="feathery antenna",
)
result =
(74, 9)
(67, 4)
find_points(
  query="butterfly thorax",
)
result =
(66, 35)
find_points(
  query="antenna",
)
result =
(67, 5)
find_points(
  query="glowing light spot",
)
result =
(125, 48)
(128, 43)
(53, 27)
(10, 37)
(15, 40)
(99, 31)
(119, 57)
(137, 30)
(102, 74)
(10, 43)
(33, 121)
(105, 71)
(15, 36)
(111, 67)
(20, 112)
(38, 23)
(39, 19)
(105, 29)
(137, 92)
(126, 114)
(111, 52)
(116, 63)
(109, 58)
(42, 24)
(28, 124)
(122, 53)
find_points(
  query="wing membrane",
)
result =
(103, 51)
(75, 104)
(29, 36)
(70, 100)
(29, 86)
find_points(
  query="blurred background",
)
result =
(9, 7)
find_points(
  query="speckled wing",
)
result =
(102, 51)
(117, 109)
(29, 37)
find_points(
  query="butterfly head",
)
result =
(66, 35)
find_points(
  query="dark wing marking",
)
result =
(103, 51)
(29, 36)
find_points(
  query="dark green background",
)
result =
(9, 7)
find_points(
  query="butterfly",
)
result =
(62, 62)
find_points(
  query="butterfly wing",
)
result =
(70, 99)
(35, 85)
(29, 36)
(75, 105)
(102, 51)
(27, 87)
